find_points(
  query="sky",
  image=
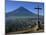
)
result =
(13, 5)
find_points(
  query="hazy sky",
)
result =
(13, 5)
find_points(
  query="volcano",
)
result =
(21, 11)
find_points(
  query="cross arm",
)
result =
(38, 8)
